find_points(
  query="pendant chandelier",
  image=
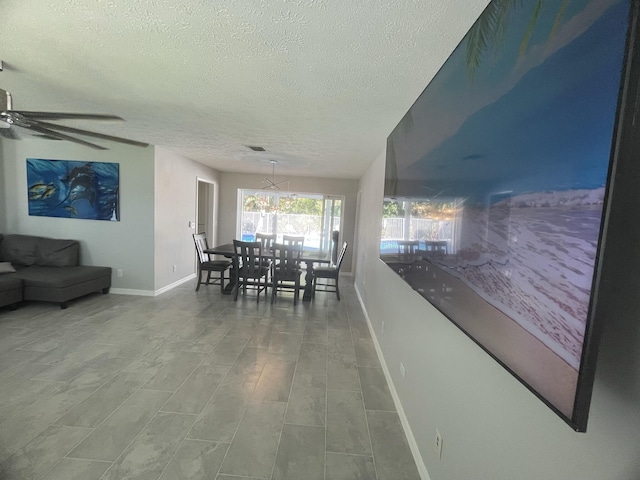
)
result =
(272, 184)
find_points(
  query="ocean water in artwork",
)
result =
(73, 189)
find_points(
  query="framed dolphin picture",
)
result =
(73, 189)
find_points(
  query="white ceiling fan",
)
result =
(39, 122)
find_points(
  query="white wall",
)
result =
(493, 427)
(127, 244)
(176, 181)
(231, 182)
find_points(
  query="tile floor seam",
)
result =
(326, 418)
(128, 445)
(114, 411)
(284, 416)
(176, 450)
(366, 417)
(71, 450)
(237, 426)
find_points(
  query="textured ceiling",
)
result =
(318, 83)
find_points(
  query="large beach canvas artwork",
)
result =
(497, 179)
(73, 189)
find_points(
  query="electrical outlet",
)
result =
(382, 328)
(438, 445)
(175, 268)
(120, 273)
(403, 371)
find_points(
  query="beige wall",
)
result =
(124, 244)
(176, 181)
(231, 182)
(493, 428)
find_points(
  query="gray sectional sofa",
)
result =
(46, 269)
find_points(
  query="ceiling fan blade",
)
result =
(66, 116)
(63, 128)
(62, 136)
(48, 137)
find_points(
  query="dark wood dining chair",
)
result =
(296, 240)
(249, 268)
(267, 240)
(206, 264)
(331, 272)
(407, 250)
(286, 270)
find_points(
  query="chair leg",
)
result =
(208, 277)
(199, 280)
(313, 290)
(337, 289)
(222, 281)
(237, 289)
(259, 291)
(266, 285)
(274, 287)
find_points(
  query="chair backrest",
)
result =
(407, 247)
(248, 256)
(341, 255)
(267, 240)
(293, 240)
(335, 238)
(200, 240)
(286, 258)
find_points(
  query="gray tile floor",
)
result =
(193, 385)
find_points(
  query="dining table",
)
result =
(308, 257)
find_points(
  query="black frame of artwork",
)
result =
(466, 263)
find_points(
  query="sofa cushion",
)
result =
(19, 249)
(6, 267)
(8, 282)
(10, 290)
(55, 277)
(52, 252)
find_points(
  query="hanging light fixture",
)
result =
(272, 184)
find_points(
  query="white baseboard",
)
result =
(151, 293)
(131, 291)
(175, 284)
(413, 445)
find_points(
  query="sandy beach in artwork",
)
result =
(534, 262)
(519, 282)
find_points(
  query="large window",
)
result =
(313, 216)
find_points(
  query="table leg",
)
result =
(308, 285)
(231, 284)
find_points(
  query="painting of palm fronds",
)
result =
(73, 189)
